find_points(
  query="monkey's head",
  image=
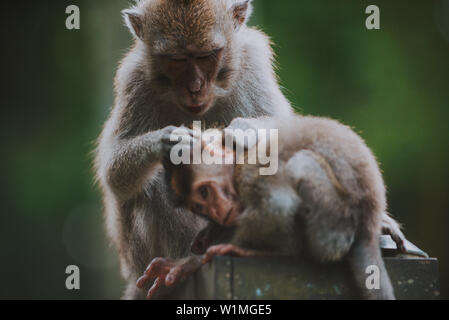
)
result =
(190, 46)
(205, 189)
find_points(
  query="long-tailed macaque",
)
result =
(191, 60)
(327, 199)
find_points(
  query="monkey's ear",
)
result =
(241, 11)
(134, 22)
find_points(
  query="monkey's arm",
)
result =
(227, 249)
(214, 240)
(131, 162)
(253, 236)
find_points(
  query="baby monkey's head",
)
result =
(207, 190)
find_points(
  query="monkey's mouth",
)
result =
(228, 216)
(196, 108)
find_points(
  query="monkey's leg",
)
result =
(167, 272)
(365, 256)
(392, 228)
(229, 250)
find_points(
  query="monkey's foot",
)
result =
(167, 272)
(227, 250)
(391, 227)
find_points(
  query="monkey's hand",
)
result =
(182, 137)
(229, 250)
(167, 273)
(242, 132)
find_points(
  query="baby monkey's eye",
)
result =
(204, 192)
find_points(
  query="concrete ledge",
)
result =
(288, 278)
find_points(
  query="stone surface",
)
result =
(290, 278)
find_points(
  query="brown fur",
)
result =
(349, 166)
(328, 197)
(188, 23)
(141, 217)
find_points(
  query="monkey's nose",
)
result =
(195, 86)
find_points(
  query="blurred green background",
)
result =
(391, 85)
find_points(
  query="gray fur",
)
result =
(328, 197)
(140, 216)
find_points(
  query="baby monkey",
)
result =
(326, 200)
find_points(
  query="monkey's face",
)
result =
(206, 190)
(191, 47)
(213, 195)
(192, 73)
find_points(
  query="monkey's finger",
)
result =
(173, 135)
(192, 133)
(152, 271)
(206, 258)
(142, 280)
(168, 140)
(184, 142)
(233, 140)
(156, 267)
(399, 243)
(211, 253)
(155, 287)
(175, 275)
(181, 270)
(399, 238)
(229, 250)
(396, 235)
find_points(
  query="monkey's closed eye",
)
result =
(178, 59)
(206, 56)
(212, 54)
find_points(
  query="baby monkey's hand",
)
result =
(229, 250)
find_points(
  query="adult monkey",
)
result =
(191, 60)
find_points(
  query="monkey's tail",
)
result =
(368, 268)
